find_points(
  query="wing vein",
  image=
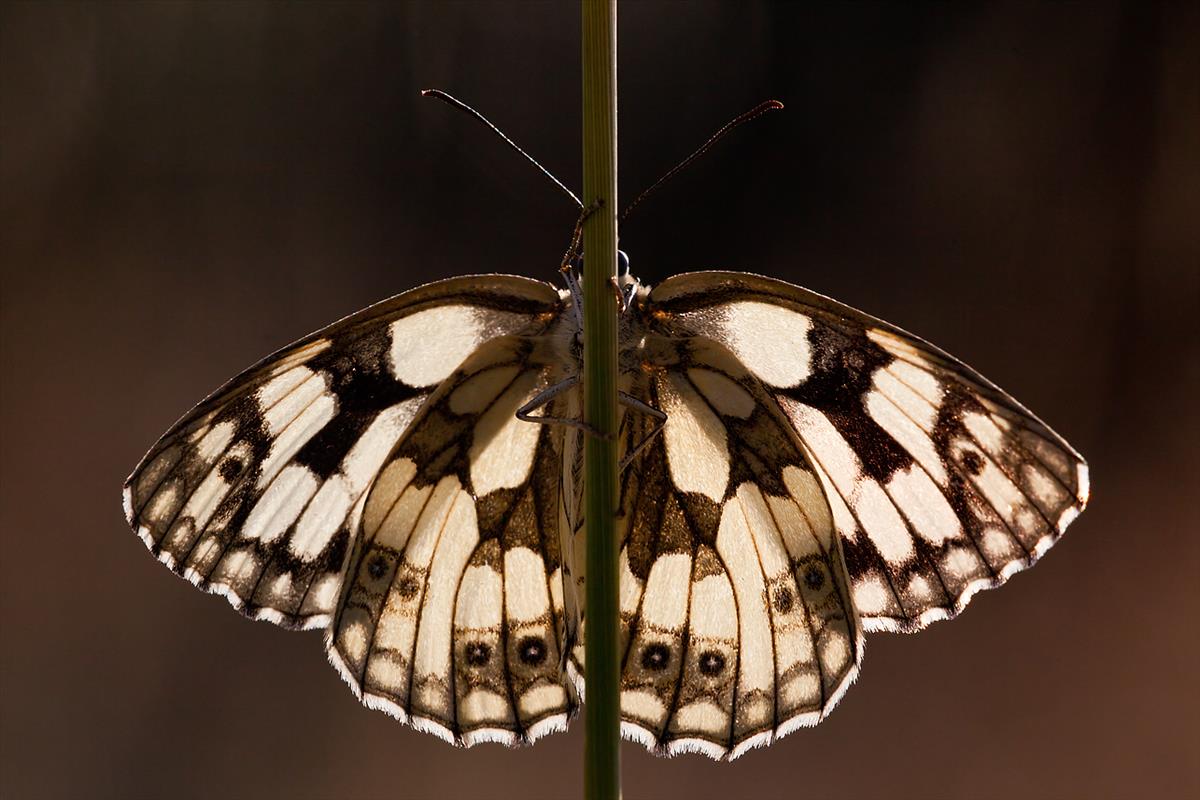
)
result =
(887, 575)
(808, 613)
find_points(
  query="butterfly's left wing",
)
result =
(452, 613)
(254, 493)
(940, 484)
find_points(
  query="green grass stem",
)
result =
(602, 765)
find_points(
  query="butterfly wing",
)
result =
(253, 494)
(735, 614)
(939, 483)
(452, 612)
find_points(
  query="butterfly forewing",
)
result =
(938, 482)
(254, 493)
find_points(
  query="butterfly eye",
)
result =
(622, 263)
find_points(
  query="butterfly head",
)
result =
(626, 280)
(626, 284)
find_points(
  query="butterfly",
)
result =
(795, 474)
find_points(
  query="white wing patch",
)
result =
(695, 440)
(867, 500)
(428, 345)
(723, 393)
(280, 506)
(771, 341)
(649, 677)
(925, 507)
(755, 698)
(504, 447)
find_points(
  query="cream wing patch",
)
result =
(770, 340)
(433, 679)
(503, 447)
(697, 450)
(652, 662)
(429, 345)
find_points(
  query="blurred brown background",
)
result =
(187, 186)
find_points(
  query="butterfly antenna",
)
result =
(459, 104)
(757, 111)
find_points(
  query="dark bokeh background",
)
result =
(186, 187)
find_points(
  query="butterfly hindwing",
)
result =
(254, 492)
(736, 622)
(938, 482)
(450, 615)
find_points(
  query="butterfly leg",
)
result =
(627, 294)
(624, 295)
(575, 290)
(525, 414)
(657, 414)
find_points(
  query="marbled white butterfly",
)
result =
(796, 473)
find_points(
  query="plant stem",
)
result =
(602, 766)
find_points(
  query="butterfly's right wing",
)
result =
(254, 493)
(940, 484)
(735, 614)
